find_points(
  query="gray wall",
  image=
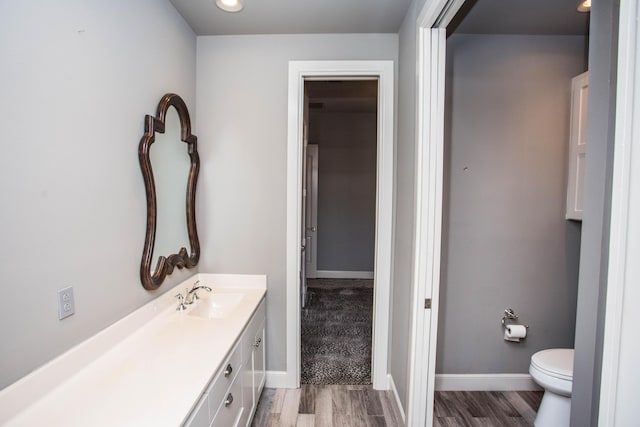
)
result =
(505, 240)
(597, 205)
(404, 203)
(242, 117)
(347, 143)
(76, 81)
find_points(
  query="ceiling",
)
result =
(295, 16)
(379, 16)
(558, 17)
(375, 16)
(342, 95)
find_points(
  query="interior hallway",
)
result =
(336, 327)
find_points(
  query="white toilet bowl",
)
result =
(553, 370)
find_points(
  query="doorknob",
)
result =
(313, 229)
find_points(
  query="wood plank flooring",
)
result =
(327, 405)
(486, 408)
(355, 406)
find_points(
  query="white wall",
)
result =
(242, 117)
(76, 79)
(505, 241)
(347, 143)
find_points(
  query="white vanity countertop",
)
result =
(149, 377)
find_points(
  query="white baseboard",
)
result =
(335, 274)
(485, 382)
(394, 389)
(277, 379)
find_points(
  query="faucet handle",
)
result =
(181, 305)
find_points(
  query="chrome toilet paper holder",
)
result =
(509, 314)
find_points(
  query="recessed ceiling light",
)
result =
(584, 6)
(230, 5)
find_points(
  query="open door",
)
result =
(311, 211)
(432, 25)
(303, 251)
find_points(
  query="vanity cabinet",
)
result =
(158, 366)
(232, 396)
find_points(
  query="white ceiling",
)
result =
(378, 16)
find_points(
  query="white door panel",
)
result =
(311, 212)
(303, 243)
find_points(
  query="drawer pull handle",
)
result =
(228, 370)
(229, 400)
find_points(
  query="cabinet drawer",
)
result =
(229, 407)
(228, 372)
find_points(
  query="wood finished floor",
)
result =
(327, 405)
(486, 408)
(355, 406)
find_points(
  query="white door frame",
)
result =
(620, 347)
(431, 44)
(340, 70)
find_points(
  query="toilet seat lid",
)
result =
(557, 362)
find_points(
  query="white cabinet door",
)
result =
(577, 146)
(247, 391)
(254, 357)
(258, 364)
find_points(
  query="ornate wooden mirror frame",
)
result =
(166, 264)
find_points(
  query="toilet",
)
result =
(553, 370)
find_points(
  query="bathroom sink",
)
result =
(216, 305)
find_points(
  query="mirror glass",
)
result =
(171, 164)
(168, 155)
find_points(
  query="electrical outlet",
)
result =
(66, 305)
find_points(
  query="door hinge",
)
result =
(427, 303)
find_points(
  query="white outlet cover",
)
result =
(66, 303)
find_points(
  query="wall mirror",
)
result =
(170, 164)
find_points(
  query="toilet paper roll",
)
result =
(515, 331)
(508, 338)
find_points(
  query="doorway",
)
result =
(338, 217)
(432, 25)
(299, 72)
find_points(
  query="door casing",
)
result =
(383, 71)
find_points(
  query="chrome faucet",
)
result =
(181, 305)
(192, 295)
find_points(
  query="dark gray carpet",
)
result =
(336, 335)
